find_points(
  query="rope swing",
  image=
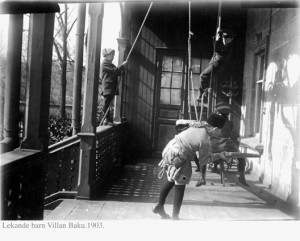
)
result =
(136, 38)
(190, 71)
(218, 26)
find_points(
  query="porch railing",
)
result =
(31, 179)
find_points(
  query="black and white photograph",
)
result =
(142, 120)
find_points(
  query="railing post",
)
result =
(88, 130)
(12, 84)
(123, 42)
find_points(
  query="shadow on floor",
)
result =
(138, 182)
(134, 182)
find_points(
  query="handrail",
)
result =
(31, 178)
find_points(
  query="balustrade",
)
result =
(31, 178)
(23, 184)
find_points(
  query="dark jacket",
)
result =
(223, 54)
(109, 77)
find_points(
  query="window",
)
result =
(171, 80)
(258, 84)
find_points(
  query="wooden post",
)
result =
(76, 109)
(12, 84)
(88, 130)
(123, 43)
(39, 81)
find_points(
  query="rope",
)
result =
(190, 73)
(218, 25)
(202, 105)
(137, 36)
(139, 31)
(161, 173)
(193, 96)
(189, 63)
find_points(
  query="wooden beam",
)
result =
(21, 7)
(39, 81)
(76, 107)
(12, 84)
(88, 129)
(244, 3)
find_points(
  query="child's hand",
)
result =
(220, 155)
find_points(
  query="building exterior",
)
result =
(270, 107)
(267, 98)
(157, 89)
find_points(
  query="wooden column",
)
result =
(76, 109)
(12, 84)
(39, 81)
(123, 43)
(88, 129)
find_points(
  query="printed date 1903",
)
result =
(95, 225)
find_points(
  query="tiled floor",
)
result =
(132, 191)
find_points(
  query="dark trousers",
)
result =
(107, 101)
(241, 164)
(213, 68)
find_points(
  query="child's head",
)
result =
(108, 54)
(181, 128)
(223, 108)
(216, 120)
(181, 125)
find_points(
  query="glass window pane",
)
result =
(196, 80)
(177, 64)
(204, 64)
(167, 63)
(196, 65)
(175, 98)
(166, 79)
(261, 69)
(177, 80)
(165, 96)
(196, 61)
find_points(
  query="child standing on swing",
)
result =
(222, 58)
(224, 109)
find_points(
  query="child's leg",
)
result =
(159, 207)
(197, 163)
(241, 170)
(178, 197)
(165, 189)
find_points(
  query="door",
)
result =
(170, 95)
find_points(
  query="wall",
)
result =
(139, 87)
(280, 130)
(166, 27)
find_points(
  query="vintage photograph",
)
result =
(160, 111)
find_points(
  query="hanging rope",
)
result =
(137, 36)
(202, 105)
(190, 72)
(218, 26)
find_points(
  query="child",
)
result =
(224, 109)
(177, 156)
